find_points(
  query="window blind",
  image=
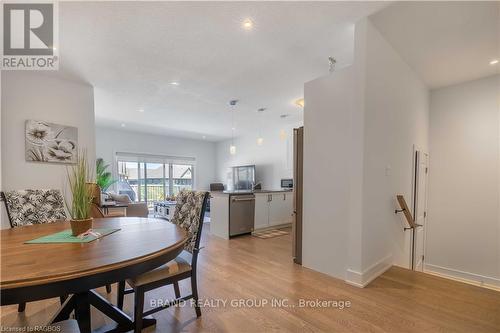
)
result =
(151, 158)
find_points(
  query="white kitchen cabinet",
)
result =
(272, 209)
(219, 214)
(261, 211)
(288, 208)
(280, 209)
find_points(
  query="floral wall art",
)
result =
(51, 143)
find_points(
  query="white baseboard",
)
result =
(466, 277)
(361, 280)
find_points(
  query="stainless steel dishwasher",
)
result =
(241, 214)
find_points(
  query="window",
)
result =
(182, 175)
(148, 178)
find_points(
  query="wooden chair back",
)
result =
(96, 212)
(96, 193)
(2, 198)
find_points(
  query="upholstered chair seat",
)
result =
(177, 266)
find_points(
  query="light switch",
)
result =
(388, 170)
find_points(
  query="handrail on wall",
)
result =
(404, 209)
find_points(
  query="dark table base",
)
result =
(81, 302)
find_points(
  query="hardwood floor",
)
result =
(253, 269)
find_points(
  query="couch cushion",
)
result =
(120, 197)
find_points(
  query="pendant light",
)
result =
(260, 139)
(232, 147)
(283, 134)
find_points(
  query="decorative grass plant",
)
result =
(81, 194)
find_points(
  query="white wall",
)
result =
(328, 145)
(463, 234)
(32, 95)
(110, 141)
(396, 118)
(273, 160)
(360, 127)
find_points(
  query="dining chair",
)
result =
(27, 207)
(189, 213)
(96, 211)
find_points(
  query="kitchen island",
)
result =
(239, 212)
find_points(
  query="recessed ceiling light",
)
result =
(247, 24)
(122, 125)
(140, 110)
(174, 83)
(233, 128)
(54, 48)
(204, 137)
(494, 62)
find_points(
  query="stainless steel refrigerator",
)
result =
(298, 159)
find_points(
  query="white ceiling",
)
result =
(131, 52)
(444, 42)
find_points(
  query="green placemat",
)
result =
(66, 237)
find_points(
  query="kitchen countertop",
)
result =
(267, 212)
(251, 192)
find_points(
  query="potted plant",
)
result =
(81, 195)
(103, 177)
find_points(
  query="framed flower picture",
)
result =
(50, 143)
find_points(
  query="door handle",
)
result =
(243, 199)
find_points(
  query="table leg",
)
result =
(81, 303)
(125, 323)
(110, 310)
(82, 312)
(64, 311)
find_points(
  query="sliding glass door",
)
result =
(182, 175)
(131, 180)
(153, 180)
(156, 182)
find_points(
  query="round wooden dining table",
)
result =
(31, 272)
